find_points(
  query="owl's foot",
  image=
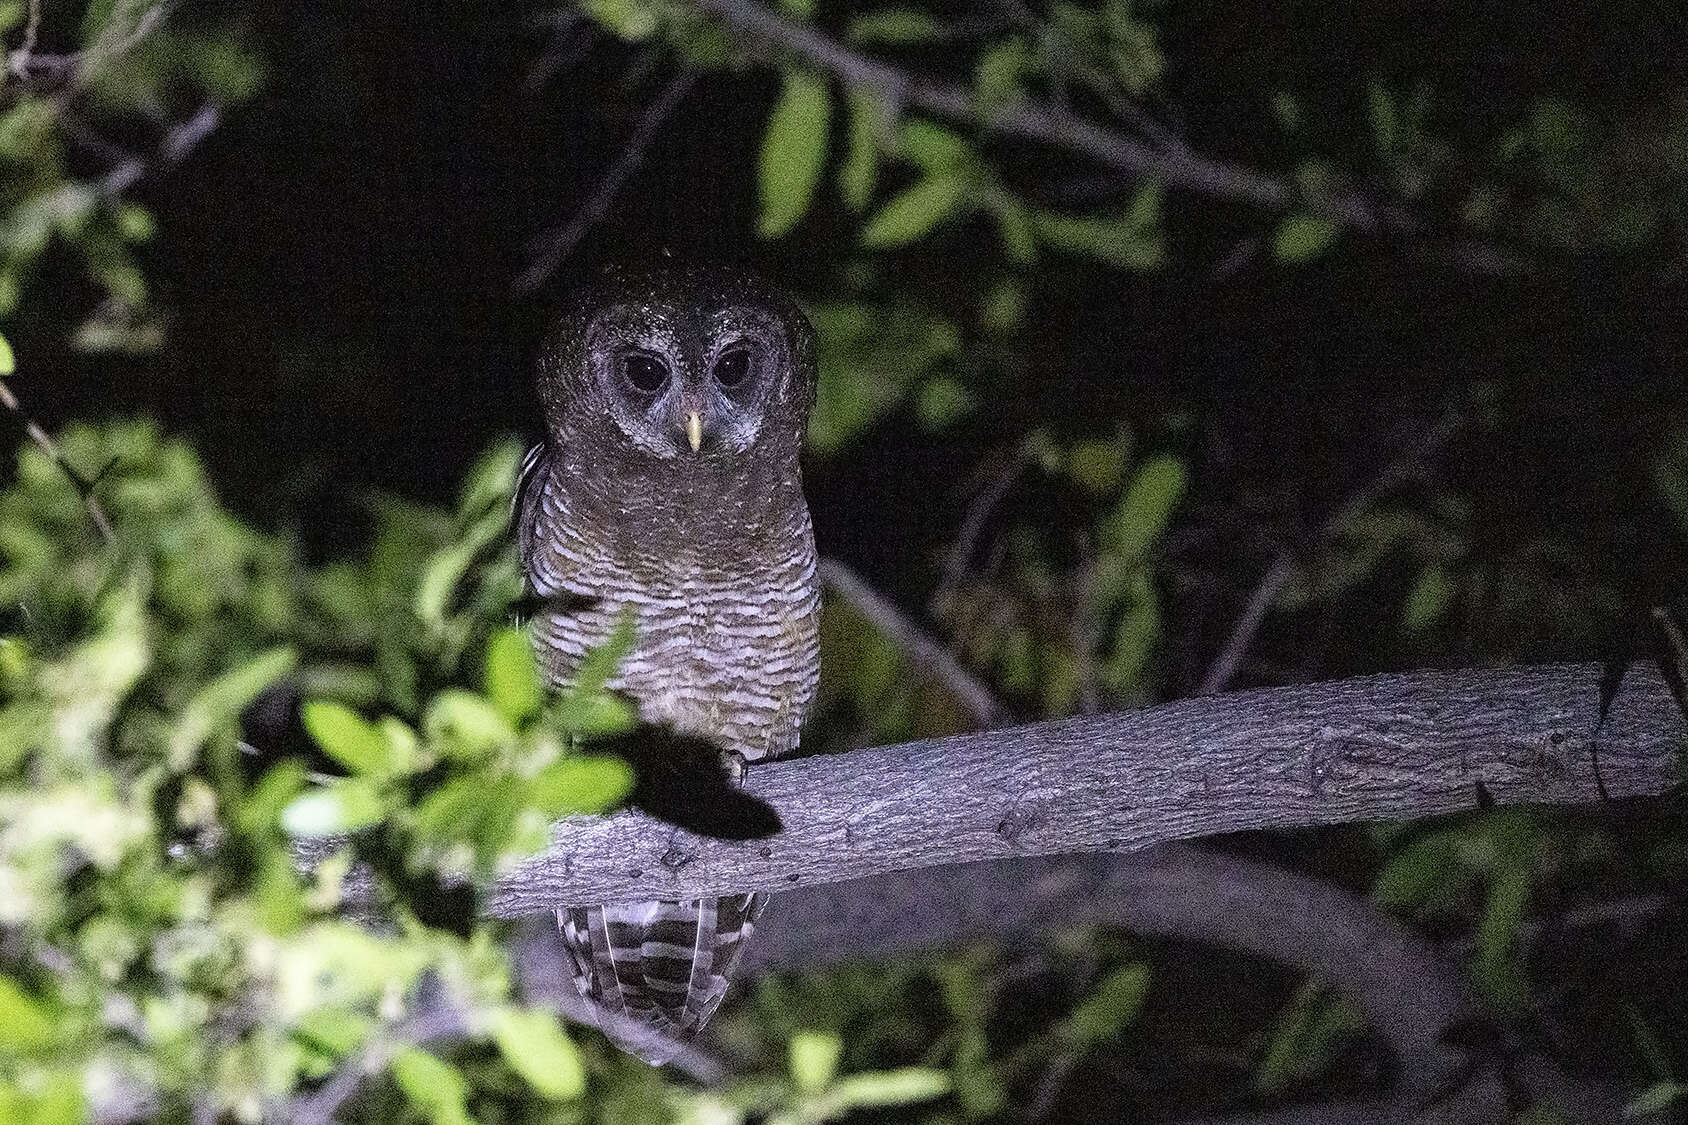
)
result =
(737, 768)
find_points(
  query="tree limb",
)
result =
(1376, 748)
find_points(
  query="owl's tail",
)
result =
(658, 970)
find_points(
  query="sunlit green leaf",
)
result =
(345, 806)
(461, 723)
(24, 1023)
(603, 660)
(890, 1088)
(813, 1059)
(581, 783)
(8, 361)
(346, 737)
(594, 713)
(793, 151)
(538, 1049)
(512, 675)
(432, 1085)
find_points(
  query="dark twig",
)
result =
(973, 525)
(44, 442)
(178, 142)
(558, 244)
(1398, 471)
(927, 656)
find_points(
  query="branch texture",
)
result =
(1376, 748)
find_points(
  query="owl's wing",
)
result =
(525, 499)
(657, 969)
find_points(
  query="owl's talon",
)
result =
(737, 768)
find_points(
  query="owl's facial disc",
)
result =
(688, 387)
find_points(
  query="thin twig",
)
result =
(973, 525)
(44, 442)
(1225, 665)
(927, 656)
(178, 142)
(560, 242)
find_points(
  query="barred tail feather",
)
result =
(654, 972)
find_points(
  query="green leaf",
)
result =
(334, 810)
(813, 1059)
(942, 401)
(512, 676)
(894, 27)
(24, 1023)
(445, 568)
(869, 124)
(1110, 1008)
(463, 724)
(1122, 241)
(1141, 517)
(632, 20)
(603, 660)
(219, 703)
(793, 151)
(1014, 226)
(581, 783)
(1428, 600)
(433, 1086)
(1385, 122)
(931, 146)
(890, 1088)
(1657, 1098)
(346, 737)
(1408, 879)
(915, 211)
(595, 713)
(538, 1049)
(8, 361)
(1301, 238)
(996, 78)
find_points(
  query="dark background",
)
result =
(339, 260)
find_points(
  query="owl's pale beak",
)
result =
(694, 430)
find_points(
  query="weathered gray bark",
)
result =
(1378, 748)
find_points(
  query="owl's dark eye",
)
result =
(733, 367)
(646, 373)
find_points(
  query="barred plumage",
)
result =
(684, 504)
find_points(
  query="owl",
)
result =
(669, 488)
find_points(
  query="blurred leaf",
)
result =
(1131, 241)
(802, 9)
(869, 124)
(538, 1049)
(25, 1025)
(511, 677)
(1142, 515)
(603, 660)
(996, 78)
(1428, 600)
(632, 20)
(432, 1085)
(464, 724)
(334, 810)
(915, 211)
(813, 1059)
(581, 783)
(1385, 123)
(932, 147)
(219, 703)
(1110, 1008)
(890, 1088)
(942, 402)
(793, 151)
(346, 737)
(1408, 878)
(1496, 965)
(1301, 238)
(596, 713)
(1657, 1098)
(894, 27)
(8, 361)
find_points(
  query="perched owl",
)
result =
(675, 401)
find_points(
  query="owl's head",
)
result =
(683, 361)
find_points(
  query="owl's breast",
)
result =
(711, 658)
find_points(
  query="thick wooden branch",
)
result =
(1379, 748)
